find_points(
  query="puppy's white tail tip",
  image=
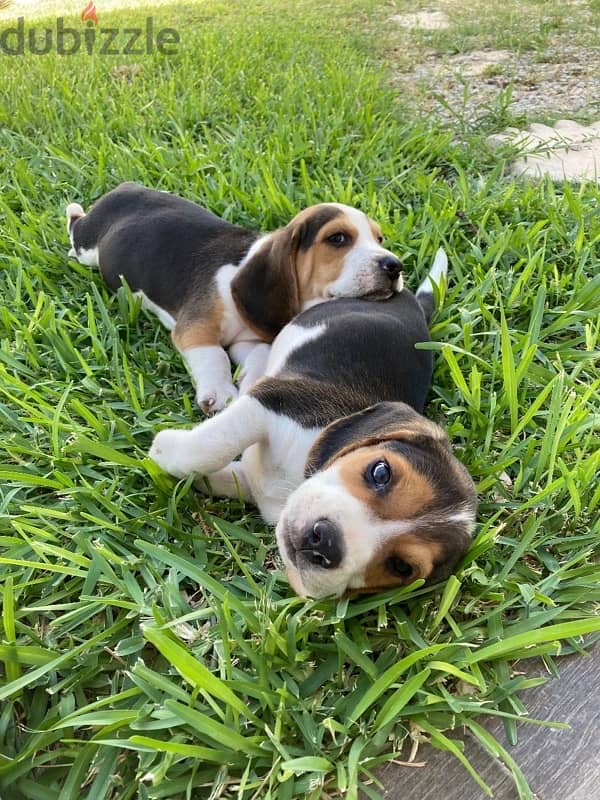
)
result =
(74, 210)
(438, 269)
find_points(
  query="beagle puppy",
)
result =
(364, 491)
(216, 285)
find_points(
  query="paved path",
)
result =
(559, 764)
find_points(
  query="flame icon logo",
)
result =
(89, 13)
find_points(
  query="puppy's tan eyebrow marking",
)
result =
(421, 555)
(409, 494)
(341, 225)
(376, 230)
(312, 220)
(320, 264)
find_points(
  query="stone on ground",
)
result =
(565, 151)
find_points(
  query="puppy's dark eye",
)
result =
(380, 239)
(379, 474)
(398, 566)
(338, 239)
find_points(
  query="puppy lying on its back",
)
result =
(215, 285)
(365, 492)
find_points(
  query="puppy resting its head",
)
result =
(216, 285)
(385, 502)
(365, 492)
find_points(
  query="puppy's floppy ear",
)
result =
(379, 423)
(265, 289)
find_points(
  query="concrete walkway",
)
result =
(559, 764)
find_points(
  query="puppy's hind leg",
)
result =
(198, 342)
(211, 446)
(230, 481)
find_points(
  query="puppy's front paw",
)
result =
(245, 384)
(248, 379)
(254, 367)
(171, 451)
(215, 398)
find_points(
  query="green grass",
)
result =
(150, 646)
(518, 25)
(531, 35)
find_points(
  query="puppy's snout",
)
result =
(390, 265)
(322, 544)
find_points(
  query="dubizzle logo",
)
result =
(89, 14)
(93, 39)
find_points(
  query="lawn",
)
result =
(150, 646)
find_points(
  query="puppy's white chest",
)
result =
(275, 468)
(232, 327)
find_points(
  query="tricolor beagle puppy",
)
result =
(215, 285)
(365, 492)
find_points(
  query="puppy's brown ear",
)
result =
(265, 290)
(379, 423)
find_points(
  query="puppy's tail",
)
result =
(74, 211)
(439, 269)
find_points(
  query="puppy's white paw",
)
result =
(254, 367)
(172, 451)
(248, 379)
(215, 398)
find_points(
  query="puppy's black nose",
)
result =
(390, 265)
(322, 544)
